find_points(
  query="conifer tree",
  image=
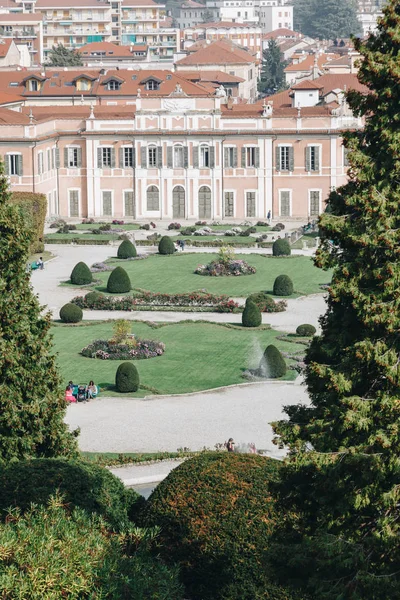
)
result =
(272, 78)
(341, 485)
(32, 405)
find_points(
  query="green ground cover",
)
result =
(226, 226)
(175, 274)
(219, 238)
(198, 356)
(90, 226)
(86, 236)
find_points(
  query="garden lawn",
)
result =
(198, 356)
(85, 236)
(90, 226)
(225, 239)
(227, 226)
(174, 274)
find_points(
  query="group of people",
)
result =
(80, 393)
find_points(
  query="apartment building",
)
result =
(274, 14)
(246, 35)
(176, 156)
(27, 32)
(190, 14)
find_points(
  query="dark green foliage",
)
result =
(71, 313)
(216, 515)
(326, 19)
(82, 484)
(343, 526)
(283, 286)
(34, 209)
(272, 77)
(272, 363)
(281, 248)
(264, 302)
(55, 553)
(251, 316)
(81, 274)
(166, 245)
(118, 281)
(92, 297)
(306, 330)
(126, 250)
(59, 56)
(127, 378)
(32, 405)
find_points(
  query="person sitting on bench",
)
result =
(91, 390)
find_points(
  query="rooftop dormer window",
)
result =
(113, 85)
(152, 85)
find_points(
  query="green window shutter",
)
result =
(113, 158)
(291, 158)
(195, 157)
(66, 158)
(185, 157)
(159, 157)
(285, 204)
(7, 164)
(257, 158)
(243, 158)
(107, 204)
(19, 165)
(235, 158)
(317, 158)
(57, 158)
(308, 158)
(143, 157)
(212, 157)
(277, 158)
(133, 157)
(226, 158)
(128, 204)
(79, 158)
(99, 158)
(346, 157)
(121, 158)
(169, 157)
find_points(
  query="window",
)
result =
(73, 203)
(284, 203)
(250, 157)
(115, 32)
(204, 202)
(113, 85)
(250, 204)
(152, 85)
(55, 158)
(230, 158)
(178, 157)
(105, 157)
(153, 198)
(72, 157)
(107, 203)
(284, 158)
(312, 158)
(250, 76)
(314, 203)
(229, 204)
(152, 156)
(14, 164)
(83, 85)
(129, 205)
(114, 18)
(127, 157)
(40, 163)
(345, 157)
(48, 154)
(33, 85)
(204, 157)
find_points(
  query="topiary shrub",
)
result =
(306, 330)
(82, 484)
(216, 515)
(81, 274)
(118, 282)
(166, 245)
(126, 250)
(71, 313)
(92, 298)
(251, 316)
(272, 363)
(281, 248)
(265, 303)
(127, 378)
(283, 286)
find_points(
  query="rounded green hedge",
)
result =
(118, 281)
(306, 330)
(81, 274)
(126, 250)
(92, 297)
(166, 245)
(82, 484)
(251, 316)
(283, 286)
(71, 313)
(264, 301)
(127, 378)
(272, 363)
(216, 515)
(281, 248)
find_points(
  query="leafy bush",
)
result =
(188, 230)
(146, 227)
(262, 224)
(280, 226)
(174, 226)
(33, 206)
(217, 515)
(283, 286)
(138, 349)
(126, 250)
(118, 282)
(272, 363)
(105, 227)
(251, 316)
(82, 484)
(127, 378)
(154, 237)
(58, 223)
(281, 248)
(201, 223)
(90, 298)
(63, 229)
(166, 245)
(88, 221)
(81, 274)
(53, 552)
(267, 304)
(306, 330)
(71, 313)
(118, 222)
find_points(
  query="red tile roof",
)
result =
(308, 63)
(12, 117)
(107, 47)
(216, 76)
(281, 33)
(5, 44)
(66, 4)
(17, 17)
(218, 53)
(224, 25)
(307, 85)
(10, 98)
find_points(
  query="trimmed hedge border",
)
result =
(77, 241)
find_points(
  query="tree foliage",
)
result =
(59, 56)
(326, 19)
(272, 78)
(343, 480)
(32, 405)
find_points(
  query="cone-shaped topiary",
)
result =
(272, 363)
(127, 378)
(71, 313)
(118, 282)
(81, 274)
(166, 245)
(251, 316)
(281, 248)
(306, 330)
(126, 250)
(283, 286)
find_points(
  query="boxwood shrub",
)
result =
(126, 250)
(216, 515)
(127, 378)
(272, 363)
(71, 313)
(283, 286)
(81, 274)
(166, 245)
(306, 330)
(267, 304)
(118, 281)
(251, 316)
(281, 248)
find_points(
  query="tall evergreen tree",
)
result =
(59, 56)
(272, 78)
(32, 405)
(326, 19)
(341, 486)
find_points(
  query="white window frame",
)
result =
(72, 149)
(175, 149)
(250, 157)
(112, 202)
(9, 155)
(125, 165)
(231, 156)
(74, 189)
(319, 190)
(204, 156)
(280, 190)
(234, 203)
(40, 162)
(34, 85)
(280, 146)
(255, 192)
(319, 146)
(152, 157)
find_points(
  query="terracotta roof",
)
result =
(215, 76)
(48, 113)
(307, 85)
(218, 53)
(5, 44)
(107, 47)
(11, 117)
(192, 4)
(342, 61)
(308, 63)
(139, 48)
(16, 17)
(253, 110)
(283, 32)
(66, 4)
(141, 3)
(224, 25)
(9, 98)
(341, 81)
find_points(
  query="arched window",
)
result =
(153, 198)
(204, 202)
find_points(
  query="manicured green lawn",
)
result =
(237, 239)
(175, 274)
(309, 238)
(85, 236)
(198, 356)
(226, 226)
(89, 226)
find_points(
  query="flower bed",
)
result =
(217, 268)
(152, 299)
(135, 349)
